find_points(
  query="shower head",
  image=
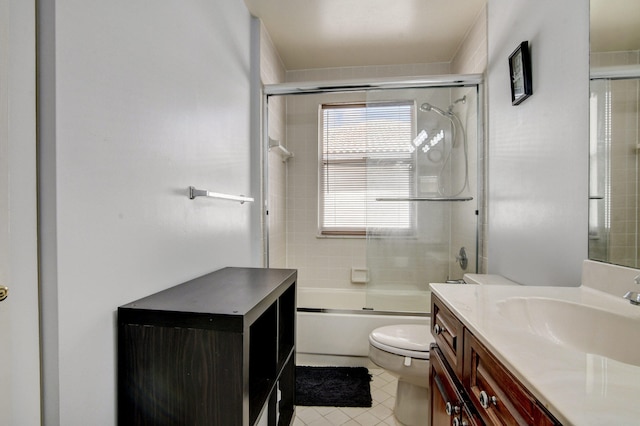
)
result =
(428, 107)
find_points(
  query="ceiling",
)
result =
(340, 33)
(615, 25)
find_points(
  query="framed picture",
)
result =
(520, 73)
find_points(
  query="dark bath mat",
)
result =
(333, 386)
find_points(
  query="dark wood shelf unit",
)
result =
(216, 350)
(286, 325)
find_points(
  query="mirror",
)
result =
(614, 166)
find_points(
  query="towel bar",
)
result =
(193, 193)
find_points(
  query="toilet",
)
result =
(403, 351)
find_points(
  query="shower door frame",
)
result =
(361, 85)
(609, 74)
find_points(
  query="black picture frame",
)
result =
(520, 73)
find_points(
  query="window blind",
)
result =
(366, 154)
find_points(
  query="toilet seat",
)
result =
(409, 340)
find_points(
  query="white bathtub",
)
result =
(332, 324)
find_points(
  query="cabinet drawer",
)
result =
(445, 400)
(448, 406)
(497, 395)
(447, 331)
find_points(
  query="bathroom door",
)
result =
(19, 339)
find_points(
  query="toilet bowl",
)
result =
(403, 351)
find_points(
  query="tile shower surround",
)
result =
(290, 203)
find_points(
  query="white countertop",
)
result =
(577, 388)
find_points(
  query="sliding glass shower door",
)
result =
(422, 179)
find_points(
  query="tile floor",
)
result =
(383, 394)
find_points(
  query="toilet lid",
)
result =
(410, 340)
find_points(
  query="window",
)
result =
(366, 153)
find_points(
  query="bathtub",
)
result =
(333, 327)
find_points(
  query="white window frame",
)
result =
(352, 209)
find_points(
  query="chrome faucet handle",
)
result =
(632, 297)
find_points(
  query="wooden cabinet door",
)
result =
(179, 376)
(448, 333)
(496, 394)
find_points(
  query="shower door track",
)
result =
(446, 80)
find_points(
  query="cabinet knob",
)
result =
(451, 409)
(485, 400)
(458, 422)
(437, 329)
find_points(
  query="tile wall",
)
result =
(321, 262)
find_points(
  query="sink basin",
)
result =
(585, 328)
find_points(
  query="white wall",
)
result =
(19, 314)
(471, 56)
(538, 151)
(139, 101)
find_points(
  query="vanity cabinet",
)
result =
(466, 375)
(217, 350)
